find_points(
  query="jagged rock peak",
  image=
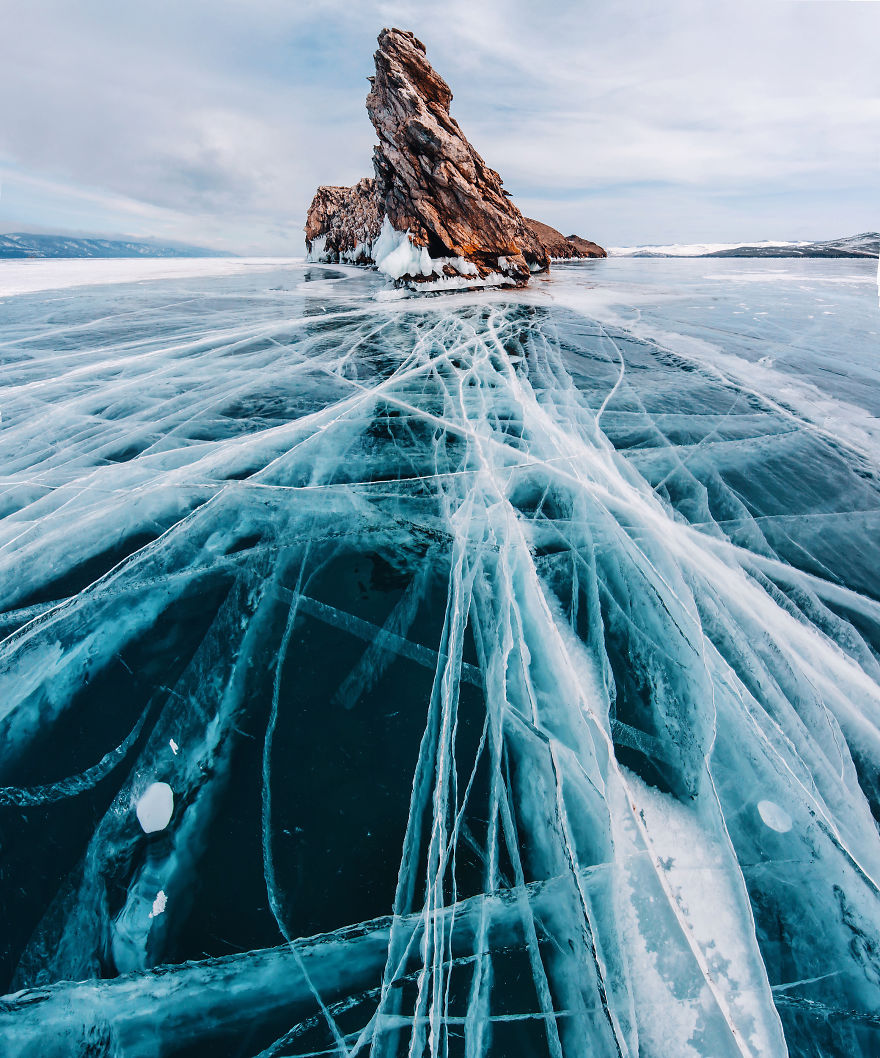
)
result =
(436, 215)
(343, 223)
(430, 181)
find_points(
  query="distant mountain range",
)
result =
(867, 244)
(24, 244)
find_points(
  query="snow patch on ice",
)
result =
(32, 276)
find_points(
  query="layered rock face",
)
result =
(563, 247)
(430, 180)
(436, 216)
(343, 223)
(585, 247)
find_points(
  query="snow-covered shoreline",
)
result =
(694, 249)
(865, 244)
(28, 276)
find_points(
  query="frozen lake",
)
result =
(491, 674)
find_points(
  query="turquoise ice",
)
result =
(512, 659)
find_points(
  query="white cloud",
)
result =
(221, 118)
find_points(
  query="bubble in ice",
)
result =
(155, 806)
(774, 817)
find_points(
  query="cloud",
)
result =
(219, 119)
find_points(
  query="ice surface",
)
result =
(31, 276)
(513, 659)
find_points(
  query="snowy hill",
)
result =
(25, 244)
(867, 244)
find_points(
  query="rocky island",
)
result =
(435, 216)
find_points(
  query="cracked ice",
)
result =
(482, 675)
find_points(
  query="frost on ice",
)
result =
(526, 669)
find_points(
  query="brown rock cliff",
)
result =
(343, 223)
(429, 179)
(431, 184)
(561, 246)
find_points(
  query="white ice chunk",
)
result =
(175, 749)
(155, 806)
(774, 817)
(396, 255)
(317, 252)
(159, 904)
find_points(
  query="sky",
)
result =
(629, 122)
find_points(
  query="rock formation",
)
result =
(563, 247)
(430, 180)
(585, 247)
(343, 223)
(436, 215)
